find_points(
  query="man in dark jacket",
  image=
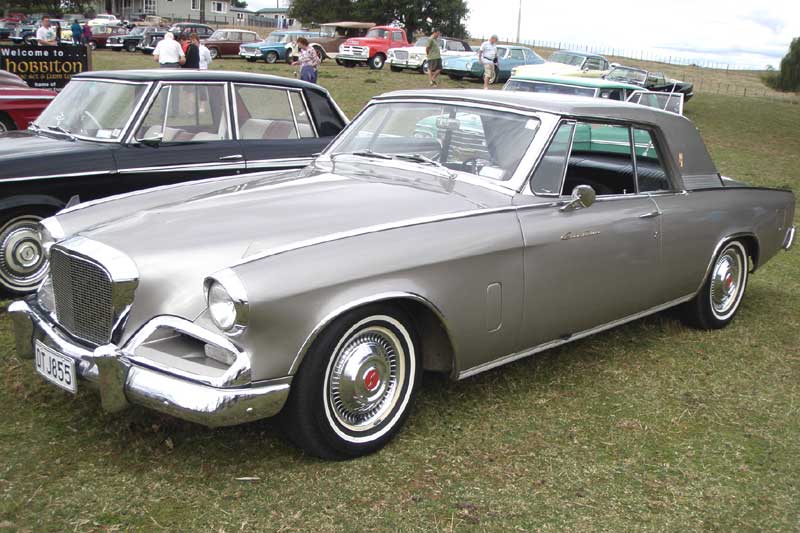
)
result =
(192, 52)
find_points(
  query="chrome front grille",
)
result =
(83, 294)
(401, 54)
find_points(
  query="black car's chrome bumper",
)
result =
(122, 381)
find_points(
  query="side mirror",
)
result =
(583, 196)
(153, 140)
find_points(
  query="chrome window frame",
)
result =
(136, 109)
(550, 139)
(235, 107)
(131, 137)
(639, 92)
(520, 175)
(595, 93)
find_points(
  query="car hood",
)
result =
(176, 245)
(363, 41)
(547, 68)
(26, 154)
(459, 61)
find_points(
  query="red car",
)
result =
(19, 104)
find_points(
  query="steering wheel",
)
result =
(92, 118)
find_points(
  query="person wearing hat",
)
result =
(487, 55)
(434, 57)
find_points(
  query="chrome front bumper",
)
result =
(122, 381)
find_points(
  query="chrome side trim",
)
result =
(2, 97)
(788, 241)
(558, 342)
(280, 163)
(52, 176)
(372, 229)
(217, 165)
(330, 317)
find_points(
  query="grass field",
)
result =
(650, 426)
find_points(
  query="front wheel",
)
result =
(356, 385)
(22, 261)
(424, 68)
(376, 62)
(271, 57)
(131, 47)
(6, 124)
(718, 300)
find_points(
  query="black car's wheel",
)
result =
(271, 57)
(395, 69)
(214, 53)
(356, 385)
(22, 261)
(455, 77)
(377, 61)
(6, 124)
(130, 47)
(718, 300)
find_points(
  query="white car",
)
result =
(416, 57)
(104, 19)
(566, 63)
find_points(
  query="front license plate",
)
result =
(56, 368)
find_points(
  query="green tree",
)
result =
(416, 15)
(241, 4)
(788, 77)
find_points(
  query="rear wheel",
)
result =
(376, 62)
(93, 45)
(271, 57)
(718, 300)
(22, 261)
(214, 53)
(6, 124)
(320, 53)
(356, 385)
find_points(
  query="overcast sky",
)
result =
(750, 33)
(754, 33)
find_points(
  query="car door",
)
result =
(591, 266)
(185, 133)
(231, 44)
(274, 127)
(513, 58)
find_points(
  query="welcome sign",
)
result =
(45, 67)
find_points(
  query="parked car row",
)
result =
(450, 231)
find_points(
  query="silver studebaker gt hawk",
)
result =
(450, 231)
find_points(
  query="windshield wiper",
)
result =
(419, 158)
(63, 130)
(35, 127)
(364, 153)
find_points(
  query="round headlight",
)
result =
(221, 307)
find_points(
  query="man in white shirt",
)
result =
(487, 55)
(205, 53)
(168, 52)
(46, 34)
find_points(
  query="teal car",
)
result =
(595, 88)
(509, 57)
(274, 48)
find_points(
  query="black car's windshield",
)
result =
(92, 109)
(627, 74)
(138, 30)
(485, 142)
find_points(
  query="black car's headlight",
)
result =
(227, 302)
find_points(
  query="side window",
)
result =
(611, 94)
(547, 177)
(455, 46)
(593, 63)
(301, 115)
(501, 52)
(329, 123)
(264, 113)
(602, 158)
(516, 53)
(397, 36)
(249, 37)
(187, 113)
(650, 171)
(234, 36)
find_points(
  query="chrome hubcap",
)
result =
(22, 260)
(726, 281)
(367, 375)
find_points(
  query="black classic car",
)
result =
(128, 41)
(179, 30)
(652, 81)
(113, 132)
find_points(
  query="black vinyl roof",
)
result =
(198, 75)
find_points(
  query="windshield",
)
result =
(422, 41)
(483, 142)
(541, 87)
(627, 74)
(378, 34)
(566, 58)
(94, 110)
(277, 38)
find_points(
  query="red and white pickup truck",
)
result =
(373, 48)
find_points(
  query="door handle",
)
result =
(651, 214)
(230, 157)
